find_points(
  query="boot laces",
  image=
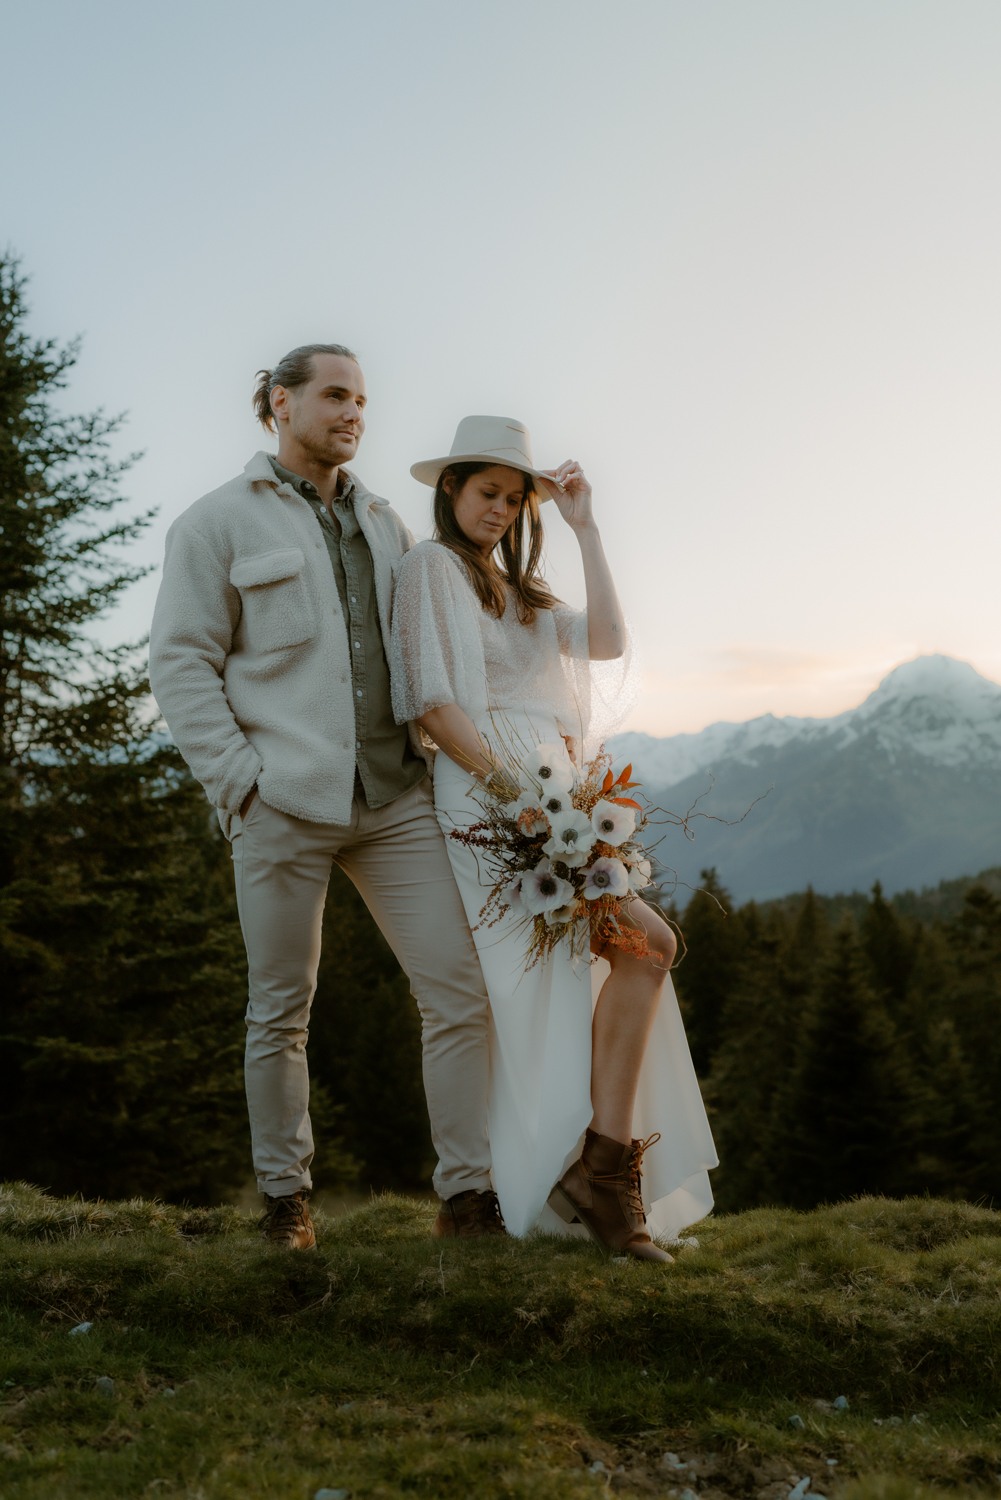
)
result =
(482, 1207)
(633, 1175)
(490, 1212)
(636, 1174)
(284, 1214)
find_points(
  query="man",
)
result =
(268, 660)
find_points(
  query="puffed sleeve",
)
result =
(602, 692)
(436, 654)
(571, 631)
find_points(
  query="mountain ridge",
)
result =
(975, 700)
(905, 788)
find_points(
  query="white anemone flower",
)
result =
(549, 766)
(639, 874)
(555, 802)
(606, 877)
(572, 838)
(561, 914)
(543, 890)
(512, 894)
(611, 822)
(529, 814)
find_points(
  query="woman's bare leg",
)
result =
(623, 1017)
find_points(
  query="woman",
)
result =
(486, 659)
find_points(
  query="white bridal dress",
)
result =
(524, 685)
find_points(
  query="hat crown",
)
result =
(485, 440)
(490, 436)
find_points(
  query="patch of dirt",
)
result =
(710, 1476)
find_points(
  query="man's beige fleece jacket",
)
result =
(249, 658)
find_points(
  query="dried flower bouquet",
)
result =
(562, 851)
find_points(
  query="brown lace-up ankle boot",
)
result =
(286, 1222)
(603, 1191)
(467, 1216)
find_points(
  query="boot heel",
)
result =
(563, 1206)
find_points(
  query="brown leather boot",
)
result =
(285, 1222)
(467, 1216)
(603, 1191)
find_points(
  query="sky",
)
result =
(740, 260)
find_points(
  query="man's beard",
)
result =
(325, 448)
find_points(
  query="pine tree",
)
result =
(846, 1119)
(947, 1161)
(120, 1031)
(761, 1030)
(710, 967)
(754, 1055)
(61, 694)
(889, 948)
(810, 937)
(905, 964)
(973, 1001)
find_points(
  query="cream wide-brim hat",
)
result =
(488, 440)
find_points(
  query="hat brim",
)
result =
(428, 470)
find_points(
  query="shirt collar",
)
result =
(309, 491)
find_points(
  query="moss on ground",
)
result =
(391, 1365)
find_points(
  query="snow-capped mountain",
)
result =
(906, 788)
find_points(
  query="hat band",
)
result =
(518, 452)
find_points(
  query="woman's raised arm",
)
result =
(606, 628)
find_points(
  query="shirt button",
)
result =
(359, 692)
(353, 599)
(357, 645)
(357, 744)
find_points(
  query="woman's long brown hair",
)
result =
(521, 553)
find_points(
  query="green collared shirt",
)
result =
(386, 761)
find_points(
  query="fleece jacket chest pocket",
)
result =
(276, 607)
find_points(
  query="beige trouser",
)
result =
(396, 857)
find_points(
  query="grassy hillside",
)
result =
(389, 1365)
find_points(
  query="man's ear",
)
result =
(280, 403)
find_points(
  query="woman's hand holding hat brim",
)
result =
(571, 493)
